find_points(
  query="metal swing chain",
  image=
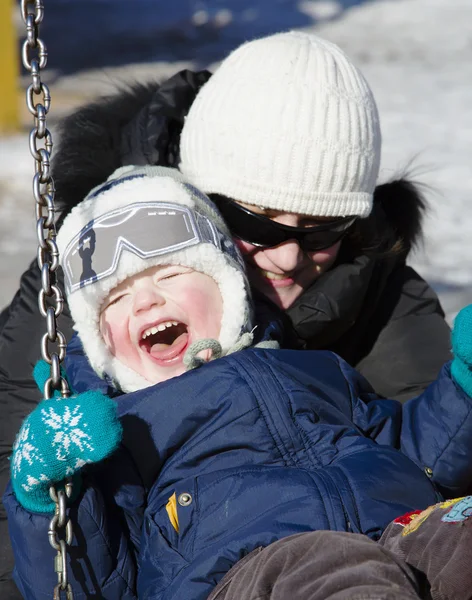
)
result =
(34, 57)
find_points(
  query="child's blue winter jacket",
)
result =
(241, 452)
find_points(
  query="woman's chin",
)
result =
(282, 297)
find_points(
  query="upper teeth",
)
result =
(160, 327)
(271, 275)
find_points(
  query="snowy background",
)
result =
(416, 54)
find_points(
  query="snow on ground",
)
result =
(416, 56)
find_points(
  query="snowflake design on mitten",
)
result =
(24, 451)
(58, 438)
(69, 430)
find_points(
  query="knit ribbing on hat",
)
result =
(286, 122)
(156, 184)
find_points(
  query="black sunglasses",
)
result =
(261, 231)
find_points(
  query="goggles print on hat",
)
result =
(263, 232)
(146, 229)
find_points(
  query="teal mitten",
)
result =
(59, 437)
(461, 367)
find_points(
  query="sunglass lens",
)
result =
(320, 241)
(250, 227)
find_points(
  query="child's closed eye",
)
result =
(113, 301)
(171, 274)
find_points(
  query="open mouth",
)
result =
(165, 341)
(275, 276)
(276, 280)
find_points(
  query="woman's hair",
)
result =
(394, 226)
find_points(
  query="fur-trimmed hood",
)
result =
(403, 206)
(139, 125)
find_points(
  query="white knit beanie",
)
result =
(100, 232)
(287, 122)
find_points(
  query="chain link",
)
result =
(61, 522)
(50, 299)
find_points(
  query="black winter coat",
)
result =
(373, 310)
(379, 315)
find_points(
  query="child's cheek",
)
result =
(114, 327)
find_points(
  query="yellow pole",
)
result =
(9, 69)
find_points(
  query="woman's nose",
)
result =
(147, 299)
(287, 256)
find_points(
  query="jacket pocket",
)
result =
(174, 514)
(379, 483)
(160, 560)
(241, 509)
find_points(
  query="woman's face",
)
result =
(283, 272)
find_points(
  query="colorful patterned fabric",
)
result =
(436, 544)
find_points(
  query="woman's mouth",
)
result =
(277, 280)
(165, 342)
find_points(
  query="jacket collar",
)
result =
(331, 306)
(326, 310)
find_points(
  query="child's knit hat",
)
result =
(143, 217)
(287, 122)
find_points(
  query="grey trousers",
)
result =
(319, 565)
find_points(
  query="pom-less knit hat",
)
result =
(140, 218)
(287, 122)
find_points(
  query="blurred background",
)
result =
(416, 54)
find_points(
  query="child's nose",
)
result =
(147, 299)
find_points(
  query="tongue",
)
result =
(166, 352)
